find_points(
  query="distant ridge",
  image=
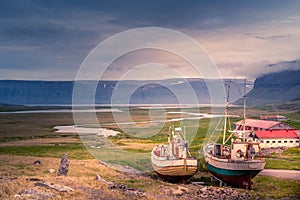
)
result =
(145, 92)
(275, 88)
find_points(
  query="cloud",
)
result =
(272, 37)
(40, 36)
(286, 65)
(146, 58)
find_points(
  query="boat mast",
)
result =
(185, 147)
(226, 112)
(244, 123)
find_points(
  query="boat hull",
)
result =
(174, 170)
(234, 173)
(236, 178)
(175, 173)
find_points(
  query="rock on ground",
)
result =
(206, 192)
(57, 187)
(64, 166)
(34, 194)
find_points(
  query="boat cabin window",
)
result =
(268, 141)
(285, 141)
(279, 141)
(291, 141)
(273, 141)
(261, 141)
(297, 141)
(217, 150)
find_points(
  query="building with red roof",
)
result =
(297, 132)
(258, 125)
(278, 138)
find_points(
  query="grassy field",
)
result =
(34, 125)
(266, 187)
(289, 159)
(27, 137)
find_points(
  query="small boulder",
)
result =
(34, 194)
(99, 178)
(64, 166)
(37, 162)
(34, 179)
(203, 190)
(235, 193)
(177, 192)
(57, 187)
(51, 171)
(184, 189)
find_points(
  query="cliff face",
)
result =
(278, 87)
(170, 91)
(36, 92)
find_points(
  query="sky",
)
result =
(49, 40)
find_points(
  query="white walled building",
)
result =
(278, 138)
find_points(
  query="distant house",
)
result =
(273, 118)
(278, 138)
(298, 133)
(260, 125)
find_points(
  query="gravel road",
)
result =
(280, 173)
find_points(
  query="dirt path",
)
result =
(280, 173)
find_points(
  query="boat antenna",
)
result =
(226, 111)
(244, 99)
(172, 130)
(184, 133)
(244, 123)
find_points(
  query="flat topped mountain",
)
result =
(281, 87)
(169, 91)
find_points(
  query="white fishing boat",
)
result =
(239, 162)
(173, 161)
